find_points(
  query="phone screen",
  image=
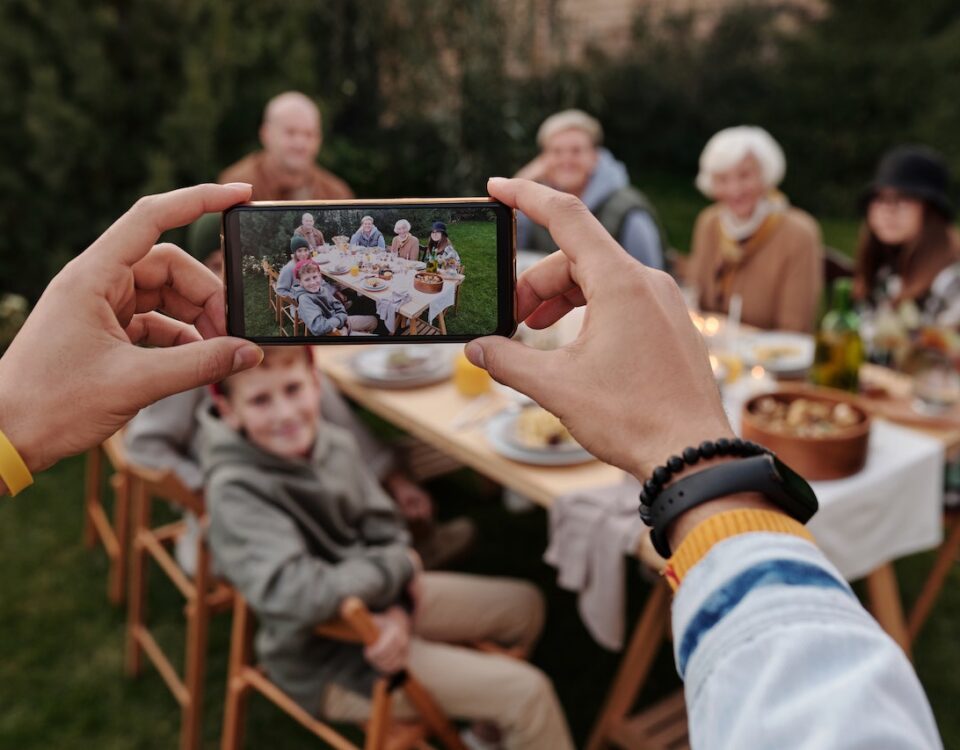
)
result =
(351, 272)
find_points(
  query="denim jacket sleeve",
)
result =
(776, 652)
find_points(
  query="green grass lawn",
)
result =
(476, 313)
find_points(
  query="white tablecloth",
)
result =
(893, 508)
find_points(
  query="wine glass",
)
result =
(936, 383)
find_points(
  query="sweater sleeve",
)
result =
(641, 239)
(261, 551)
(285, 280)
(161, 437)
(776, 651)
(375, 454)
(802, 281)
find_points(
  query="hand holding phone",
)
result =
(370, 272)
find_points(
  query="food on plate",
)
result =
(771, 353)
(404, 360)
(374, 283)
(803, 417)
(538, 429)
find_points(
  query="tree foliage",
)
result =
(102, 102)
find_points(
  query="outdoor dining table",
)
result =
(428, 413)
(402, 282)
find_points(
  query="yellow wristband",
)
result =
(13, 471)
(723, 526)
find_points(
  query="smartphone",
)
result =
(362, 272)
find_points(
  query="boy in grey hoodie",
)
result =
(320, 310)
(298, 523)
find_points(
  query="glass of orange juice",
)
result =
(469, 379)
(355, 271)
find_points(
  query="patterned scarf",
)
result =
(741, 240)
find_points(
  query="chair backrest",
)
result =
(166, 485)
(116, 451)
(269, 270)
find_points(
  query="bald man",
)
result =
(286, 168)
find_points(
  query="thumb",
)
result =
(511, 363)
(187, 366)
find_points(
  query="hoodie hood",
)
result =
(609, 176)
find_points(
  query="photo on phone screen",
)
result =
(425, 270)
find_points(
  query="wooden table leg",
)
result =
(884, 597)
(945, 560)
(645, 643)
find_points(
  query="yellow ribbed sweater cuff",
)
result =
(723, 526)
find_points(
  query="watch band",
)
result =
(13, 469)
(763, 474)
(722, 526)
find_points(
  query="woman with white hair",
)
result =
(368, 235)
(404, 244)
(751, 242)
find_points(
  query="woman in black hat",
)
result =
(907, 237)
(440, 246)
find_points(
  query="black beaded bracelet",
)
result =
(708, 449)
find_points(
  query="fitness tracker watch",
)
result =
(764, 474)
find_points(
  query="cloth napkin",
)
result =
(591, 533)
(442, 300)
(388, 306)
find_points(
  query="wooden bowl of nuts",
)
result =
(428, 282)
(820, 433)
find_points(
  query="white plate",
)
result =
(339, 272)
(793, 352)
(321, 261)
(500, 434)
(373, 366)
(368, 285)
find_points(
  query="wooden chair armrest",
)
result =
(354, 625)
(355, 612)
(166, 485)
(338, 630)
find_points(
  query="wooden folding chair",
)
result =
(287, 311)
(97, 526)
(203, 594)
(944, 561)
(382, 733)
(271, 273)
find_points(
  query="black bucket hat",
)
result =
(917, 171)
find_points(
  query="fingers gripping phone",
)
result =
(440, 270)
